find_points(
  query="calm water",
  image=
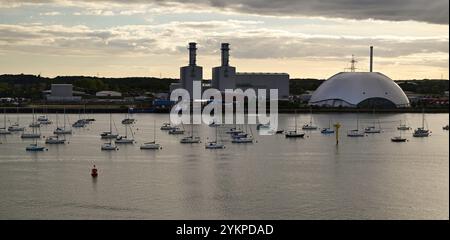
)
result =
(275, 178)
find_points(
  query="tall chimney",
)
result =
(371, 58)
(192, 53)
(225, 54)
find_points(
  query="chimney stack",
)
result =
(192, 53)
(371, 58)
(225, 54)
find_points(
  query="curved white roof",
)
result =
(355, 87)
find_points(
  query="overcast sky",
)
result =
(314, 38)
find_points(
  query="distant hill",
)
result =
(31, 86)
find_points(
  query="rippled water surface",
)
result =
(274, 178)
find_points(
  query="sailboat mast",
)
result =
(154, 131)
(110, 123)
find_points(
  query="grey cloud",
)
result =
(431, 11)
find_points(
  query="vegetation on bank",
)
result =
(31, 86)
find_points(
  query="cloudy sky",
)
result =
(305, 38)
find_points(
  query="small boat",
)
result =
(35, 125)
(398, 139)
(42, 118)
(34, 147)
(445, 127)
(152, 145)
(372, 129)
(214, 124)
(94, 172)
(421, 131)
(80, 123)
(62, 130)
(166, 127)
(355, 133)
(30, 135)
(239, 135)
(190, 139)
(16, 128)
(176, 131)
(54, 140)
(125, 139)
(243, 140)
(403, 127)
(327, 131)
(234, 131)
(109, 134)
(310, 125)
(294, 133)
(279, 131)
(33, 134)
(214, 145)
(262, 126)
(4, 130)
(128, 120)
(109, 147)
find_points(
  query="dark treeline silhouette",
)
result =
(31, 86)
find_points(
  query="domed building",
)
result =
(359, 89)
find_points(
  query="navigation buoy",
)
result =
(94, 172)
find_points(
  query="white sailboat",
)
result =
(125, 139)
(373, 128)
(421, 131)
(244, 139)
(109, 146)
(399, 138)
(109, 134)
(62, 130)
(4, 130)
(34, 147)
(33, 134)
(191, 138)
(15, 127)
(310, 125)
(55, 140)
(214, 144)
(176, 131)
(152, 145)
(356, 132)
(294, 133)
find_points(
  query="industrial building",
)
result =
(62, 93)
(226, 76)
(359, 89)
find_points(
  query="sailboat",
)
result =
(4, 130)
(176, 131)
(34, 147)
(166, 127)
(191, 138)
(109, 135)
(328, 129)
(34, 134)
(109, 146)
(15, 127)
(214, 144)
(373, 128)
(399, 138)
(445, 127)
(355, 132)
(152, 145)
(128, 119)
(294, 133)
(43, 120)
(422, 132)
(309, 126)
(403, 126)
(55, 140)
(244, 139)
(62, 130)
(125, 139)
(80, 123)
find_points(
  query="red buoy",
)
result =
(94, 172)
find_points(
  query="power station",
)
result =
(226, 77)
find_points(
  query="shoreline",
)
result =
(124, 109)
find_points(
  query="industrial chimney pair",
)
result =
(193, 53)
